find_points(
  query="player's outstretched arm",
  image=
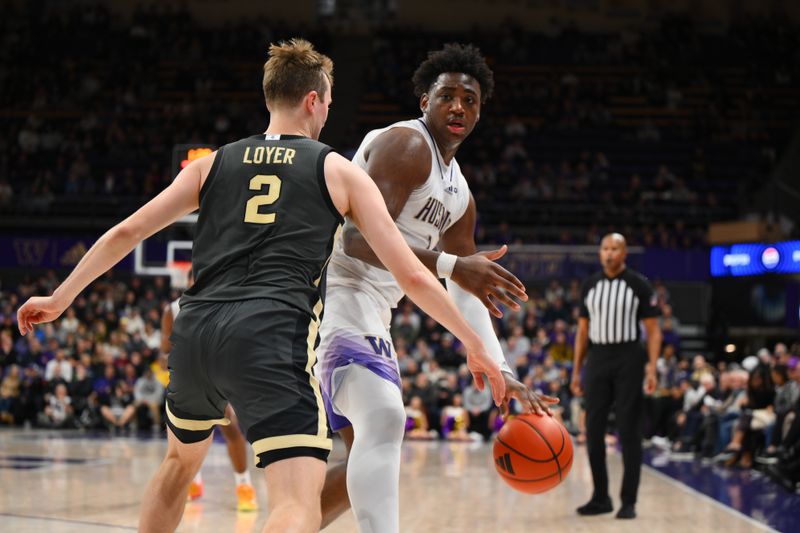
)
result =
(355, 195)
(476, 284)
(178, 199)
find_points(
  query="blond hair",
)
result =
(293, 70)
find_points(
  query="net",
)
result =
(179, 274)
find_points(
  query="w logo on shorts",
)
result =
(379, 345)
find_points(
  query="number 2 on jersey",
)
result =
(257, 183)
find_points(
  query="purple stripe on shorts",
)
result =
(347, 351)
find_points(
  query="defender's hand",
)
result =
(38, 310)
(530, 401)
(479, 275)
(480, 364)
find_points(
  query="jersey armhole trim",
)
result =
(323, 186)
(212, 172)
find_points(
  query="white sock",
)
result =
(375, 407)
(198, 478)
(243, 478)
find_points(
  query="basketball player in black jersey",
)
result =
(270, 208)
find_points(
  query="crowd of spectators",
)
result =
(663, 128)
(738, 414)
(99, 366)
(99, 118)
(99, 121)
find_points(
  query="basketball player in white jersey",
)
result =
(413, 163)
(234, 440)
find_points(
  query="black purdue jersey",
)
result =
(267, 224)
(614, 306)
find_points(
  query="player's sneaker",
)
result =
(246, 495)
(195, 491)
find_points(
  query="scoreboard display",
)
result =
(183, 154)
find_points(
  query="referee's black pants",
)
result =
(614, 376)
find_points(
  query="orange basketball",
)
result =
(533, 453)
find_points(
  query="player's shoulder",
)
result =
(399, 154)
(402, 140)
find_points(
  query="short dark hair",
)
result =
(454, 57)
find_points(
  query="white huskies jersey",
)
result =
(430, 211)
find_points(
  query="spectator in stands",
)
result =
(446, 354)
(149, 400)
(84, 400)
(782, 354)
(455, 420)
(406, 324)
(58, 367)
(59, 411)
(662, 405)
(151, 336)
(9, 394)
(515, 346)
(417, 427)
(758, 415)
(428, 394)
(561, 350)
(31, 396)
(118, 410)
(787, 394)
(431, 331)
(8, 354)
(479, 406)
(104, 385)
(690, 418)
(69, 324)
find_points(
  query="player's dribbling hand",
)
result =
(576, 387)
(38, 310)
(479, 275)
(480, 364)
(530, 401)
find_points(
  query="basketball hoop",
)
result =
(179, 274)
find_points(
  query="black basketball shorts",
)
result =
(259, 356)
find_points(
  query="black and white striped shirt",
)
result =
(614, 306)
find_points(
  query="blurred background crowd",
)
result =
(653, 132)
(101, 366)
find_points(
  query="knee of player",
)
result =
(299, 515)
(389, 421)
(179, 467)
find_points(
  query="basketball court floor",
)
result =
(77, 482)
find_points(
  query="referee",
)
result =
(612, 304)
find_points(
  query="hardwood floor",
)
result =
(70, 482)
